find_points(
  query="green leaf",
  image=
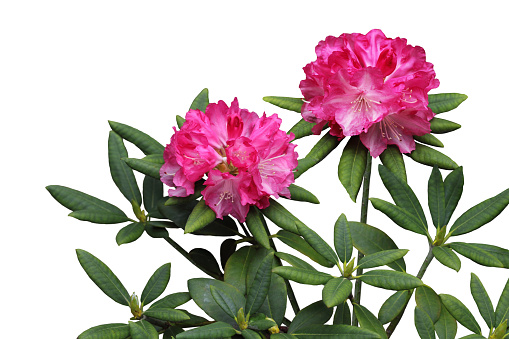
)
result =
(400, 216)
(260, 286)
(436, 198)
(390, 280)
(250, 334)
(172, 300)
(318, 244)
(428, 156)
(335, 332)
(453, 188)
(480, 214)
(447, 257)
(428, 301)
(429, 139)
(154, 158)
(502, 311)
(171, 332)
(130, 233)
(322, 148)
(143, 166)
(368, 321)
(303, 276)
(444, 102)
(280, 216)
(154, 229)
(381, 258)
(314, 314)
(142, 330)
(235, 271)
(482, 301)
(152, 193)
(460, 312)
(216, 330)
(392, 307)
(298, 193)
(205, 259)
(393, 160)
(368, 240)
(282, 336)
(193, 321)
(201, 216)
(256, 227)
(301, 129)
(498, 252)
(352, 166)
(86, 207)
(156, 284)
(473, 336)
(180, 121)
(110, 331)
(228, 247)
(199, 288)
(144, 142)
(424, 324)
(103, 277)
(299, 244)
(342, 239)
(446, 325)
(291, 104)
(166, 314)
(294, 261)
(336, 291)
(476, 254)
(439, 126)
(201, 101)
(224, 301)
(343, 316)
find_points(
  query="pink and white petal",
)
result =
(374, 141)
(405, 143)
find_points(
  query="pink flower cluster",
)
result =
(246, 159)
(371, 86)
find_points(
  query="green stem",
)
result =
(392, 326)
(364, 219)
(191, 260)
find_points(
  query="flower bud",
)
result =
(241, 319)
(134, 304)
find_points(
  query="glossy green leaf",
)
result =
(142, 330)
(498, 252)
(103, 277)
(502, 311)
(152, 193)
(300, 194)
(146, 167)
(439, 126)
(280, 216)
(299, 244)
(482, 301)
(172, 300)
(390, 280)
(352, 166)
(291, 104)
(400, 216)
(110, 331)
(473, 336)
(144, 142)
(201, 216)
(180, 121)
(201, 101)
(317, 243)
(453, 188)
(322, 148)
(260, 286)
(156, 284)
(314, 314)
(166, 314)
(193, 321)
(154, 229)
(335, 332)
(130, 233)
(86, 207)
(393, 160)
(155, 158)
(301, 129)
(368, 321)
(228, 247)
(424, 324)
(250, 334)
(336, 291)
(429, 139)
(303, 276)
(261, 322)
(368, 240)
(343, 239)
(480, 214)
(342, 316)
(216, 330)
(294, 261)
(444, 102)
(460, 312)
(428, 156)
(436, 198)
(172, 331)
(205, 259)
(446, 326)
(235, 271)
(256, 227)
(392, 307)
(381, 258)
(428, 301)
(224, 301)
(282, 336)
(476, 254)
(447, 257)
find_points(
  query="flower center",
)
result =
(225, 166)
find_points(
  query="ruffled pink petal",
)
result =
(241, 153)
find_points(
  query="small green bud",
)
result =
(274, 330)
(136, 308)
(138, 212)
(439, 238)
(241, 319)
(349, 268)
(500, 331)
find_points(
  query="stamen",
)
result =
(363, 104)
(389, 127)
(224, 196)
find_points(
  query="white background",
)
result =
(66, 67)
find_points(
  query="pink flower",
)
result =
(245, 159)
(371, 86)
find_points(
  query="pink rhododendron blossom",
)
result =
(371, 86)
(245, 159)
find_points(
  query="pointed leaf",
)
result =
(381, 258)
(439, 126)
(368, 321)
(502, 312)
(250, 334)
(152, 193)
(144, 142)
(156, 284)
(428, 156)
(436, 198)
(291, 104)
(428, 301)
(201, 101)
(352, 166)
(393, 160)
(299, 244)
(342, 239)
(280, 216)
(424, 324)
(482, 301)
(444, 102)
(235, 271)
(205, 259)
(201, 216)
(314, 314)
(447, 257)
(453, 188)
(228, 247)
(103, 277)
(343, 316)
(180, 121)
(390, 280)
(392, 307)
(429, 139)
(261, 322)
(317, 243)
(166, 314)
(446, 325)
(172, 300)
(298, 193)
(143, 166)
(336, 291)
(216, 330)
(400, 216)
(260, 287)
(480, 214)
(256, 227)
(294, 261)
(130, 233)
(110, 331)
(154, 229)
(476, 254)
(335, 332)
(142, 330)
(460, 312)
(301, 129)
(498, 252)
(224, 301)
(303, 276)
(473, 336)
(322, 148)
